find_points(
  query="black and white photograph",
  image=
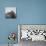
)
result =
(10, 12)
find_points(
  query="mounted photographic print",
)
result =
(10, 12)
